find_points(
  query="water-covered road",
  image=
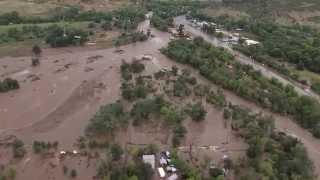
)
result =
(242, 58)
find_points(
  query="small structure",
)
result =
(146, 57)
(161, 172)
(63, 152)
(149, 159)
(250, 42)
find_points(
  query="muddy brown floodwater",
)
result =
(57, 99)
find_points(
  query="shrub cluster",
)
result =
(9, 84)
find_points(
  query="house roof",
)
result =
(149, 159)
(161, 171)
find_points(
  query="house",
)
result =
(149, 159)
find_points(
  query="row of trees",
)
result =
(58, 36)
(298, 45)
(128, 38)
(114, 168)
(59, 14)
(271, 154)
(43, 147)
(55, 35)
(131, 14)
(217, 65)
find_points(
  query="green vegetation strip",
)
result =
(296, 45)
(68, 27)
(218, 65)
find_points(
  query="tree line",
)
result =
(218, 65)
(280, 44)
(271, 154)
(60, 35)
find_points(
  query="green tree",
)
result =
(196, 111)
(116, 152)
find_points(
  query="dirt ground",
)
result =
(57, 99)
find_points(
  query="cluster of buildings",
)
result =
(231, 37)
(163, 165)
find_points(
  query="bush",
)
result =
(137, 67)
(127, 38)
(57, 37)
(65, 169)
(73, 173)
(287, 153)
(201, 90)
(171, 115)
(41, 146)
(18, 149)
(180, 87)
(116, 152)
(107, 26)
(142, 110)
(9, 84)
(196, 111)
(316, 87)
(178, 134)
(216, 98)
(107, 119)
(161, 23)
(215, 172)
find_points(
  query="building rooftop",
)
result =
(149, 159)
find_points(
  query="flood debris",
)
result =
(92, 59)
(88, 69)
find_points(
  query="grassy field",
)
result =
(22, 48)
(26, 7)
(288, 12)
(19, 48)
(81, 25)
(298, 5)
(44, 7)
(310, 76)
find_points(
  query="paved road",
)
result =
(242, 58)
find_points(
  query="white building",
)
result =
(149, 159)
(162, 173)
